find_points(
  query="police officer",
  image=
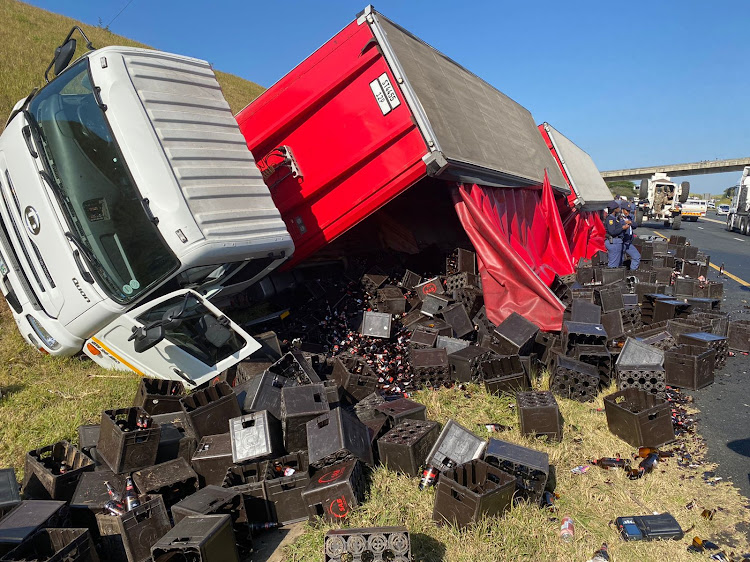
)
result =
(627, 236)
(615, 226)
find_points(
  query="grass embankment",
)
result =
(527, 532)
(29, 36)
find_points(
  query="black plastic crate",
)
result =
(663, 275)
(299, 405)
(586, 312)
(600, 357)
(700, 304)
(711, 290)
(55, 545)
(539, 414)
(422, 338)
(648, 378)
(354, 376)
(375, 324)
(90, 496)
(215, 500)
(365, 408)
(371, 282)
(433, 304)
(483, 324)
(430, 367)
(391, 300)
(212, 458)
(461, 260)
(608, 299)
(530, 467)
(335, 437)
(668, 309)
(375, 544)
(88, 437)
(255, 436)
(176, 439)
(262, 392)
(561, 289)
(410, 280)
(52, 472)
(295, 368)
(579, 333)
(198, 538)
(471, 491)
(334, 491)
(719, 321)
(172, 480)
(738, 335)
(404, 448)
(694, 268)
(637, 353)
(460, 281)
(285, 479)
(465, 363)
(26, 518)
(607, 275)
(134, 532)
(709, 341)
(450, 344)
(639, 418)
(687, 326)
(9, 490)
(402, 409)
(504, 374)
(454, 446)
(457, 316)
(691, 367)
(685, 287)
(159, 396)
(515, 336)
(613, 324)
(574, 379)
(124, 446)
(248, 480)
(209, 410)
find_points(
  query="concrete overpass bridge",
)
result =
(679, 170)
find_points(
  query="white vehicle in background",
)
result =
(693, 209)
(128, 198)
(711, 204)
(738, 218)
(722, 210)
(661, 199)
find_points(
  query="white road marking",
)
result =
(740, 239)
(700, 227)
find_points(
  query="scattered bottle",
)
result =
(708, 514)
(114, 495)
(496, 427)
(114, 508)
(131, 497)
(567, 529)
(611, 462)
(429, 477)
(63, 468)
(260, 527)
(646, 466)
(280, 470)
(601, 555)
(548, 500)
(643, 452)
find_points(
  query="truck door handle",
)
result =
(85, 275)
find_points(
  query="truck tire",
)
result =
(746, 226)
(728, 226)
(676, 222)
(638, 217)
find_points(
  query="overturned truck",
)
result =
(378, 138)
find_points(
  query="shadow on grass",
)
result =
(6, 391)
(424, 547)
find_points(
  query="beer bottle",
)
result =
(114, 508)
(267, 526)
(643, 452)
(610, 462)
(649, 463)
(567, 529)
(429, 477)
(114, 495)
(131, 497)
(601, 555)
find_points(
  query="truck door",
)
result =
(197, 341)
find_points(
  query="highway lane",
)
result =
(725, 405)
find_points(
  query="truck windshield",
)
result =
(104, 211)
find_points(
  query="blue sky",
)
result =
(632, 83)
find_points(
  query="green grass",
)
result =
(529, 533)
(30, 35)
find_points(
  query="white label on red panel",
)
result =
(377, 91)
(389, 91)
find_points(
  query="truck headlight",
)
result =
(48, 340)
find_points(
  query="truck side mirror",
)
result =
(146, 338)
(63, 55)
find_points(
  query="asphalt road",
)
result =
(724, 420)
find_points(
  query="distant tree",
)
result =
(695, 196)
(729, 192)
(621, 188)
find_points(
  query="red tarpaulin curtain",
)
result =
(520, 245)
(584, 231)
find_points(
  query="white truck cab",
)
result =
(125, 184)
(661, 199)
(738, 214)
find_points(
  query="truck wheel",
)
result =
(728, 226)
(746, 226)
(638, 217)
(676, 222)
